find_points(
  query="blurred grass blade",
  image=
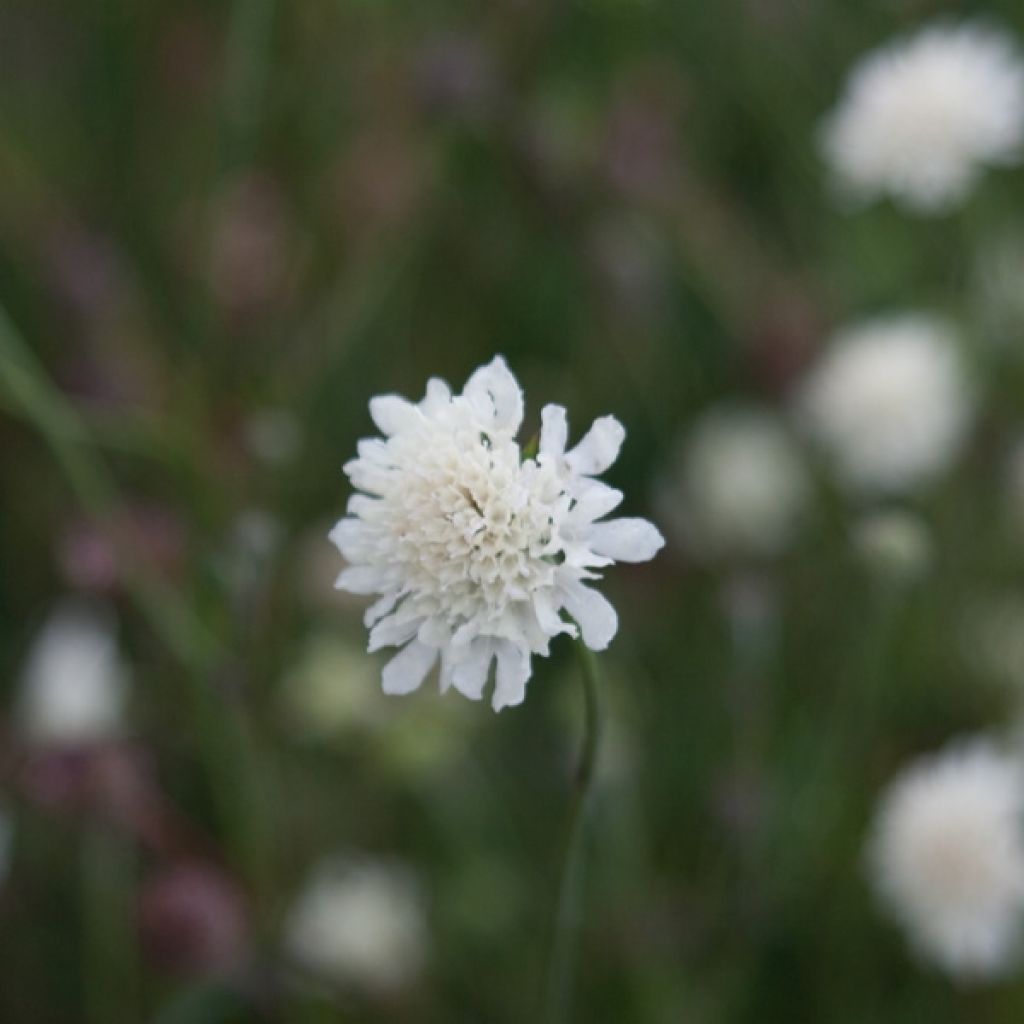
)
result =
(247, 62)
(29, 389)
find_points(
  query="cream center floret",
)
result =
(470, 527)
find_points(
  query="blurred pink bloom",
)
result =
(251, 245)
(456, 75)
(193, 919)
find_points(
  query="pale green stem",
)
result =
(568, 909)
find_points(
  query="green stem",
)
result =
(111, 971)
(245, 80)
(568, 912)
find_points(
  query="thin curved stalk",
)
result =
(568, 909)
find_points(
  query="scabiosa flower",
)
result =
(475, 550)
(947, 855)
(739, 486)
(360, 924)
(921, 116)
(890, 403)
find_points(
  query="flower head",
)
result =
(740, 486)
(890, 403)
(921, 116)
(475, 550)
(947, 855)
(360, 924)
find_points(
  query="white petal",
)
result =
(444, 675)
(367, 476)
(593, 500)
(437, 397)
(360, 579)
(392, 413)
(434, 633)
(548, 618)
(345, 534)
(392, 632)
(626, 540)
(554, 430)
(493, 386)
(379, 609)
(595, 615)
(408, 668)
(361, 507)
(599, 447)
(469, 674)
(513, 672)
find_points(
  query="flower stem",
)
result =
(108, 943)
(568, 909)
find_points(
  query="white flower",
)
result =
(997, 297)
(1013, 496)
(313, 701)
(359, 924)
(992, 636)
(474, 549)
(74, 684)
(273, 435)
(948, 857)
(740, 486)
(922, 116)
(890, 403)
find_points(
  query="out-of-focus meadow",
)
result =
(223, 228)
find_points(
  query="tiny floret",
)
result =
(473, 550)
(889, 403)
(922, 116)
(947, 857)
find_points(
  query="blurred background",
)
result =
(224, 226)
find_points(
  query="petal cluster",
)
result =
(922, 116)
(947, 855)
(474, 550)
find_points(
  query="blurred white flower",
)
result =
(74, 684)
(474, 549)
(739, 486)
(922, 116)
(273, 435)
(998, 299)
(992, 637)
(890, 403)
(947, 855)
(359, 923)
(329, 689)
(894, 544)
(1013, 496)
